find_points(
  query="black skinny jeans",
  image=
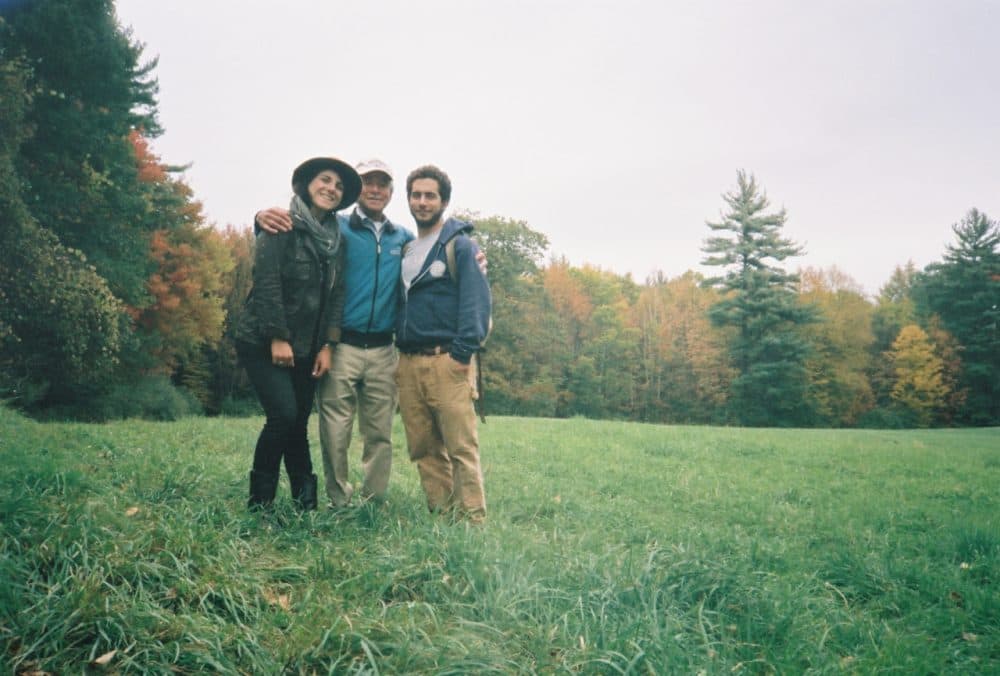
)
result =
(287, 397)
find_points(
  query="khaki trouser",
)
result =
(363, 380)
(435, 399)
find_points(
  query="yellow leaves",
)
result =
(919, 385)
(568, 294)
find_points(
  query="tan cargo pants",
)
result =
(436, 402)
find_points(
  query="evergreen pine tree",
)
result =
(59, 322)
(78, 168)
(761, 306)
(964, 291)
(85, 179)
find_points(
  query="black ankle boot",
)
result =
(304, 491)
(262, 489)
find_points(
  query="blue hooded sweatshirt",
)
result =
(439, 310)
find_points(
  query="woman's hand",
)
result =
(281, 353)
(322, 363)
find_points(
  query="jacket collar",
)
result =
(452, 227)
(356, 221)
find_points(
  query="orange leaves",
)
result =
(190, 261)
(150, 168)
(567, 293)
(682, 351)
(187, 288)
(176, 280)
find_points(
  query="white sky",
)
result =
(611, 126)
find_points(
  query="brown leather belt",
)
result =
(426, 350)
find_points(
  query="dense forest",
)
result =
(117, 297)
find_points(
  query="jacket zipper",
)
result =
(324, 294)
(378, 257)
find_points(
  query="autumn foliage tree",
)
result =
(518, 376)
(919, 389)
(684, 373)
(569, 310)
(949, 350)
(190, 262)
(841, 339)
(894, 309)
(595, 346)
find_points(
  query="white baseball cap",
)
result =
(371, 166)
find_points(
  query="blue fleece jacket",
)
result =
(371, 274)
(439, 310)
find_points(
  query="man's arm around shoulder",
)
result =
(272, 221)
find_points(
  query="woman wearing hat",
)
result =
(291, 318)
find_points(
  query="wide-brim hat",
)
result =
(306, 172)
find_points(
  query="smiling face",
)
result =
(325, 192)
(376, 191)
(425, 201)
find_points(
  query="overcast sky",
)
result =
(611, 126)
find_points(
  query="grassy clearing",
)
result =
(610, 548)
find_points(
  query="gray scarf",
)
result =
(325, 235)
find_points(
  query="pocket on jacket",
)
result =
(300, 268)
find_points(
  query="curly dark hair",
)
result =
(430, 171)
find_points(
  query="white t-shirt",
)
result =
(416, 254)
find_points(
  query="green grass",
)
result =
(609, 548)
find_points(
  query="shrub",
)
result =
(149, 398)
(885, 418)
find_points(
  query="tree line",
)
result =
(117, 297)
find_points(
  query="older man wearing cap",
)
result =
(362, 373)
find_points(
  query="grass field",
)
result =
(609, 548)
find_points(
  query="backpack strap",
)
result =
(449, 257)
